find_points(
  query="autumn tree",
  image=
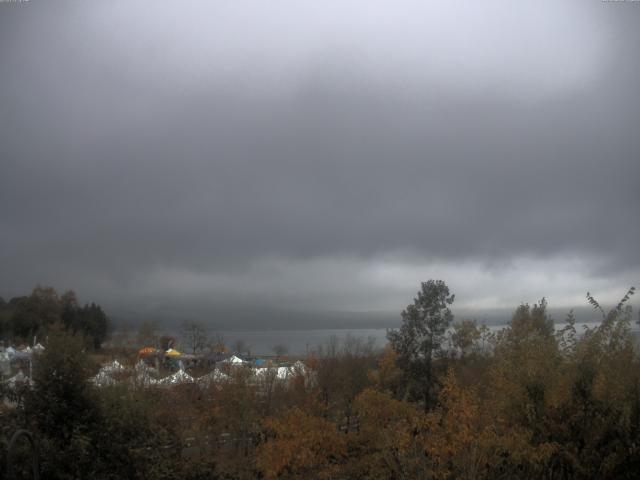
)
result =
(597, 423)
(342, 372)
(386, 444)
(526, 368)
(419, 339)
(465, 336)
(237, 406)
(387, 376)
(300, 446)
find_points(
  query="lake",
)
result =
(300, 342)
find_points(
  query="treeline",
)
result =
(529, 401)
(24, 318)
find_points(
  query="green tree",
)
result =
(63, 406)
(33, 314)
(420, 337)
(94, 323)
(90, 320)
(6, 312)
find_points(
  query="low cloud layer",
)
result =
(315, 157)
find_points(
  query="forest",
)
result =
(444, 399)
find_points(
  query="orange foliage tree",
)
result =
(300, 445)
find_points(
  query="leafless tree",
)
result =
(194, 336)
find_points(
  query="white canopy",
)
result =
(234, 359)
(177, 378)
(19, 379)
(103, 379)
(113, 367)
(142, 375)
(300, 367)
(283, 373)
(214, 376)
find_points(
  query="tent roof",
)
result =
(177, 378)
(234, 359)
(213, 376)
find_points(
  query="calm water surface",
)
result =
(300, 342)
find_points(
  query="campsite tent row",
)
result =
(175, 354)
(143, 375)
(25, 353)
(150, 351)
(170, 354)
(10, 354)
(18, 380)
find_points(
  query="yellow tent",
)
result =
(172, 353)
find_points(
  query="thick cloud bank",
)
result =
(205, 156)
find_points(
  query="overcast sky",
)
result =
(231, 158)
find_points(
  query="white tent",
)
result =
(113, 367)
(265, 373)
(142, 377)
(103, 379)
(300, 367)
(5, 364)
(177, 378)
(281, 373)
(234, 360)
(18, 380)
(215, 376)
(21, 354)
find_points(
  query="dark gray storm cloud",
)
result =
(318, 155)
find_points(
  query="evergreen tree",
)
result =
(420, 338)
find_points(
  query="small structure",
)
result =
(172, 353)
(146, 351)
